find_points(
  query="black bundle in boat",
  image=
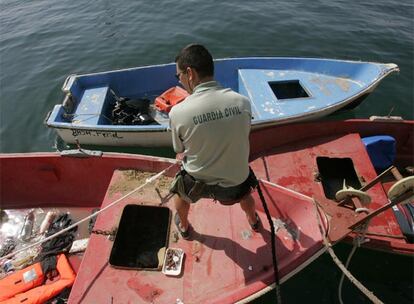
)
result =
(60, 243)
(131, 112)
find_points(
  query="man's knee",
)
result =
(179, 202)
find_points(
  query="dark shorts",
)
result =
(191, 190)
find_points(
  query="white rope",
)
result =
(369, 294)
(357, 243)
(147, 181)
(341, 281)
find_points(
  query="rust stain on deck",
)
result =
(147, 292)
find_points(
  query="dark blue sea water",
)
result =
(43, 41)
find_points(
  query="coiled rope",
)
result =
(147, 181)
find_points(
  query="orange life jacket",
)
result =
(26, 285)
(170, 98)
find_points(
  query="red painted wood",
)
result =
(221, 266)
(290, 153)
(223, 262)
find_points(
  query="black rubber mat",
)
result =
(142, 232)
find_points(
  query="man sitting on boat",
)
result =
(211, 129)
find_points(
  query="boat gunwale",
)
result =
(392, 66)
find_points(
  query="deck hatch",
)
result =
(288, 89)
(143, 233)
(333, 172)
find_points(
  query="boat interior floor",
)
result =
(298, 167)
(221, 242)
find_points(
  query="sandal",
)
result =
(255, 227)
(184, 234)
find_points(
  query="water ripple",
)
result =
(43, 41)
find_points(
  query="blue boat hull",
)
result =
(281, 90)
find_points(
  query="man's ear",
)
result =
(190, 73)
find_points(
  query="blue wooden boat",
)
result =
(281, 90)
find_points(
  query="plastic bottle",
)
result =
(27, 229)
(44, 226)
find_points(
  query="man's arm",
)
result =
(177, 143)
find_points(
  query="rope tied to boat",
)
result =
(147, 181)
(358, 241)
(369, 294)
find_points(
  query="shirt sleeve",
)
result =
(177, 143)
(248, 109)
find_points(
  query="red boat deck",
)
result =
(294, 166)
(224, 260)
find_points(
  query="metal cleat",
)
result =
(359, 198)
(403, 186)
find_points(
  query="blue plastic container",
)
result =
(381, 150)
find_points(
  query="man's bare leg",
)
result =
(248, 206)
(182, 208)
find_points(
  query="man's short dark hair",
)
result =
(197, 57)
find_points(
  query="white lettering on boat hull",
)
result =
(77, 132)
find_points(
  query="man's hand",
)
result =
(179, 156)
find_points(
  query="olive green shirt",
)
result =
(211, 127)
